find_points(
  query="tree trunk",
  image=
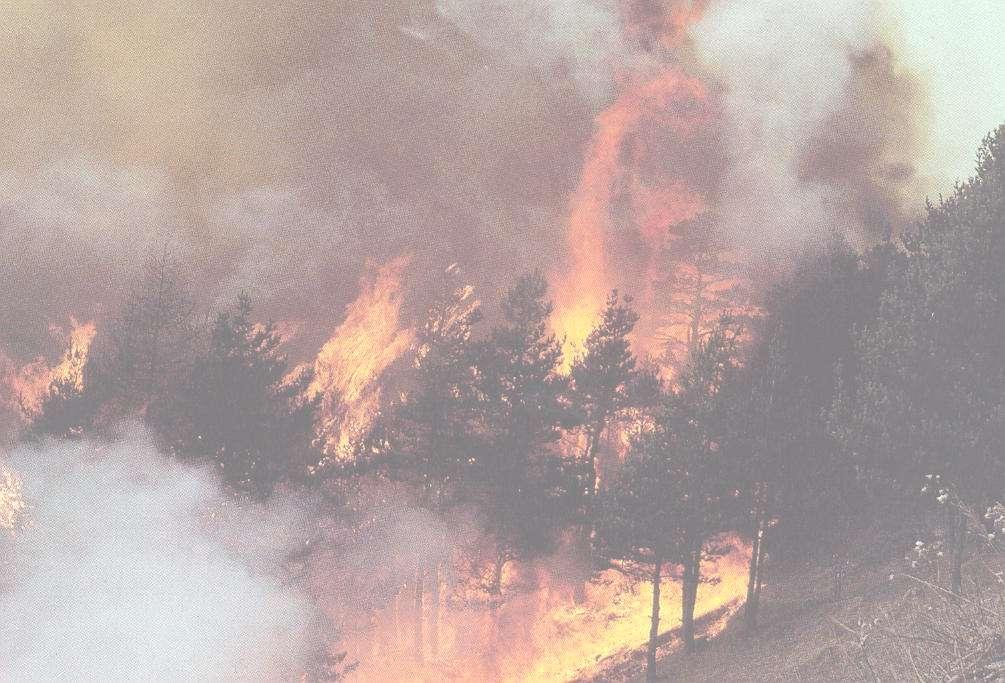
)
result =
(419, 581)
(434, 612)
(497, 575)
(689, 589)
(959, 544)
(754, 574)
(592, 439)
(586, 530)
(654, 628)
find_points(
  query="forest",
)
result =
(854, 405)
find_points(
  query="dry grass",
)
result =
(889, 627)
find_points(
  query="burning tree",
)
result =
(425, 437)
(601, 387)
(601, 379)
(674, 494)
(701, 285)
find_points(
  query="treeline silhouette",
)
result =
(869, 377)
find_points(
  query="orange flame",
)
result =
(349, 364)
(28, 385)
(582, 288)
(537, 633)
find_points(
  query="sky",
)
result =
(958, 47)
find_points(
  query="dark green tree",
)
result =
(425, 437)
(796, 482)
(240, 408)
(927, 396)
(65, 412)
(694, 432)
(674, 493)
(521, 483)
(602, 378)
(149, 346)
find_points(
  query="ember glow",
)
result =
(548, 636)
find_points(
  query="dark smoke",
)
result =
(278, 148)
(272, 147)
(865, 151)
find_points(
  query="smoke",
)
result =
(280, 148)
(133, 567)
(821, 121)
(578, 37)
(271, 147)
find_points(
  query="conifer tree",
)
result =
(242, 410)
(927, 397)
(519, 477)
(425, 437)
(601, 379)
(149, 345)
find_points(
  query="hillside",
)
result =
(882, 628)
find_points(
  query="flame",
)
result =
(537, 633)
(28, 385)
(577, 640)
(672, 102)
(349, 364)
(12, 503)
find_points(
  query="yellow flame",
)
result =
(349, 364)
(28, 385)
(537, 632)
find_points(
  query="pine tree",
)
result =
(601, 379)
(240, 408)
(675, 492)
(705, 488)
(927, 397)
(66, 412)
(637, 519)
(519, 478)
(148, 346)
(425, 437)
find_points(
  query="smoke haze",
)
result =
(134, 567)
(288, 149)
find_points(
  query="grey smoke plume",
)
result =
(822, 122)
(273, 147)
(134, 567)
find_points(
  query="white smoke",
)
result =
(134, 567)
(792, 93)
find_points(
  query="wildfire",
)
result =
(27, 385)
(360, 350)
(610, 183)
(538, 633)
